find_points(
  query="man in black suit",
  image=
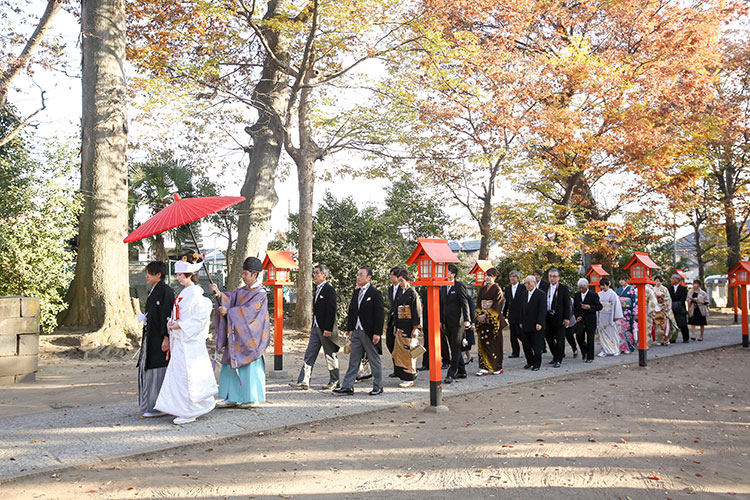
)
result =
(558, 316)
(364, 325)
(394, 292)
(515, 294)
(454, 319)
(679, 294)
(585, 305)
(321, 333)
(533, 317)
(541, 283)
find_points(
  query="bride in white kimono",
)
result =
(606, 320)
(189, 385)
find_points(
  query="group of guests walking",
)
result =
(176, 375)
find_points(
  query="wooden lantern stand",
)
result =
(742, 275)
(432, 257)
(732, 281)
(640, 266)
(278, 266)
(479, 270)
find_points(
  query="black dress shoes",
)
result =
(552, 362)
(448, 380)
(526, 367)
(514, 356)
(376, 392)
(557, 364)
(575, 354)
(460, 375)
(589, 361)
(534, 368)
(343, 392)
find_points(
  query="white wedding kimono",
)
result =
(606, 322)
(189, 385)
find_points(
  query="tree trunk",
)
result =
(269, 98)
(99, 295)
(305, 158)
(160, 252)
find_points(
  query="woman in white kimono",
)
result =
(189, 385)
(607, 320)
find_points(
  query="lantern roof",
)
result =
(596, 268)
(437, 250)
(742, 266)
(279, 260)
(640, 258)
(481, 266)
(682, 274)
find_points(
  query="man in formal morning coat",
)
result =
(454, 319)
(515, 293)
(558, 316)
(322, 334)
(533, 318)
(585, 305)
(364, 325)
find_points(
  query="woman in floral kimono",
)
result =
(652, 305)
(629, 322)
(607, 320)
(664, 322)
(490, 326)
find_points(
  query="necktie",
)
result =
(361, 295)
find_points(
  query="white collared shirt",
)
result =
(362, 292)
(513, 289)
(551, 295)
(317, 294)
(583, 296)
(528, 296)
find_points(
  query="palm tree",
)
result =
(153, 184)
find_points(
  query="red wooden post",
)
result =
(278, 327)
(743, 297)
(433, 327)
(642, 324)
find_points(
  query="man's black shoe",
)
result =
(534, 368)
(589, 361)
(514, 356)
(376, 392)
(343, 392)
(557, 364)
(552, 362)
(448, 380)
(526, 367)
(460, 375)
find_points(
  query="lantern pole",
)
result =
(433, 331)
(642, 333)
(734, 292)
(278, 329)
(743, 305)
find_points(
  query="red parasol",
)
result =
(181, 212)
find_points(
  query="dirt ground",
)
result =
(680, 429)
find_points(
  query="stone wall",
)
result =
(19, 339)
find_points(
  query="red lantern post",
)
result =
(595, 275)
(742, 273)
(732, 280)
(640, 266)
(480, 267)
(278, 266)
(682, 275)
(432, 257)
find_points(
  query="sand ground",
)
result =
(679, 429)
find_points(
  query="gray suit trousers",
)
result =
(317, 340)
(361, 344)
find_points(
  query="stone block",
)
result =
(14, 326)
(10, 307)
(7, 379)
(29, 307)
(28, 343)
(17, 365)
(28, 377)
(8, 345)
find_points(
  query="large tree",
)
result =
(99, 296)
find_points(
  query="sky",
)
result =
(62, 118)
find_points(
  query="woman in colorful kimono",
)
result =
(407, 323)
(697, 309)
(664, 322)
(243, 331)
(189, 385)
(652, 306)
(629, 323)
(489, 326)
(607, 320)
